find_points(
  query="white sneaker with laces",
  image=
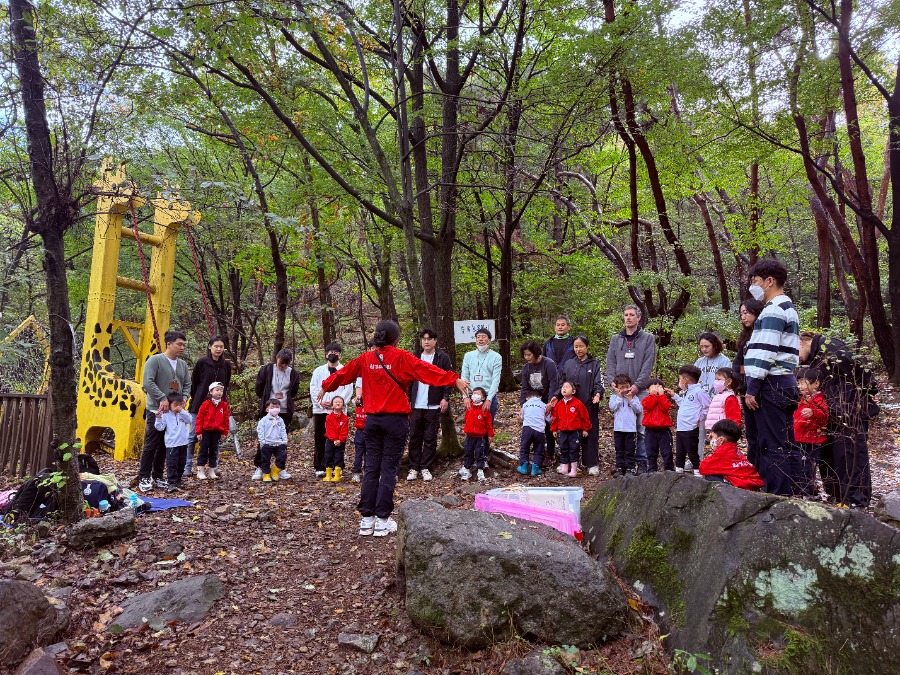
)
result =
(162, 483)
(384, 526)
(257, 475)
(284, 475)
(426, 475)
(366, 526)
(481, 477)
(465, 474)
(201, 473)
(355, 478)
(412, 475)
(594, 471)
(145, 485)
(320, 474)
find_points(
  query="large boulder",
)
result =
(27, 620)
(98, 531)
(761, 583)
(39, 662)
(474, 578)
(186, 600)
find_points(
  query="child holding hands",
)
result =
(176, 422)
(478, 428)
(626, 410)
(211, 423)
(658, 426)
(337, 427)
(570, 423)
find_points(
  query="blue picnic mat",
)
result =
(163, 504)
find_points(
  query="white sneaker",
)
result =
(213, 472)
(384, 526)
(481, 477)
(366, 526)
(594, 471)
(145, 485)
(356, 478)
(679, 470)
(426, 475)
(320, 474)
(162, 483)
(201, 473)
(257, 475)
(412, 475)
(284, 475)
(696, 472)
(465, 474)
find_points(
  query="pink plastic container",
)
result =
(564, 521)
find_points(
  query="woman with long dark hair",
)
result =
(750, 311)
(386, 375)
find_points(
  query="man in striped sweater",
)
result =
(772, 394)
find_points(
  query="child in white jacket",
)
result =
(176, 422)
(693, 404)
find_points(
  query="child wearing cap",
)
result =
(211, 423)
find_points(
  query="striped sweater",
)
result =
(774, 346)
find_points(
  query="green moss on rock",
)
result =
(647, 559)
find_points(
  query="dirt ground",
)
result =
(292, 548)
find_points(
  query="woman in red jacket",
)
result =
(727, 464)
(386, 375)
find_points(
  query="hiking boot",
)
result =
(465, 474)
(145, 485)
(162, 483)
(327, 477)
(267, 478)
(366, 526)
(562, 469)
(573, 472)
(336, 477)
(536, 470)
(201, 473)
(594, 471)
(384, 526)
(480, 475)
(524, 468)
(412, 475)
(356, 477)
(275, 472)
(257, 475)
(426, 475)
(284, 475)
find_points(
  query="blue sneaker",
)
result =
(523, 469)
(536, 470)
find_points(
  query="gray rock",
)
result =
(283, 619)
(363, 643)
(301, 421)
(448, 500)
(56, 648)
(474, 579)
(756, 581)
(47, 554)
(888, 509)
(39, 662)
(27, 619)
(98, 531)
(186, 600)
(536, 663)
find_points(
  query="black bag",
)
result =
(87, 464)
(36, 499)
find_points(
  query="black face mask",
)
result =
(333, 358)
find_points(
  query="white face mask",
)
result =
(715, 443)
(476, 398)
(274, 413)
(483, 348)
(757, 291)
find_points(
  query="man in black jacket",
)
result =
(213, 367)
(427, 404)
(849, 389)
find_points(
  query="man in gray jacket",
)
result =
(632, 351)
(163, 373)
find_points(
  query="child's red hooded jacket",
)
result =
(212, 417)
(479, 421)
(811, 429)
(730, 463)
(570, 415)
(656, 411)
(337, 426)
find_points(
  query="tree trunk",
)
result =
(823, 281)
(56, 213)
(700, 200)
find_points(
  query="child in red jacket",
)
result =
(569, 418)
(337, 427)
(727, 464)
(810, 419)
(478, 428)
(658, 425)
(211, 423)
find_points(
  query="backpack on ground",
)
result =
(87, 464)
(35, 500)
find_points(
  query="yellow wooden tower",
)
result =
(105, 400)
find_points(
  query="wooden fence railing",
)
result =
(25, 433)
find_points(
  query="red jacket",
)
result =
(382, 393)
(656, 411)
(811, 429)
(570, 415)
(212, 417)
(337, 426)
(479, 421)
(730, 463)
(359, 419)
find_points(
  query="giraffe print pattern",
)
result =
(99, 382)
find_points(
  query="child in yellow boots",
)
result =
(337, 426)
(273, 440)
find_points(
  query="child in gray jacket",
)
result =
(176, 423)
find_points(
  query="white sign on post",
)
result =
(464, 331)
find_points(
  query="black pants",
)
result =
(359, 444)
(319, 437)
(385, 437)
(423, 430)
(805, 473)
(176, 458)
(268, 452)
(153, 457)
(686, 444)
(626, 450)
(550, 451)
(532, 440)
(475, 452)
(569, 444)
(257, 458)
(753, 455)
(772, 427)
(658, 441)
(334, 454)
(590, 445)
(844, 465)
(209, 449)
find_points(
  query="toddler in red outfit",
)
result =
(337, 427)
(657, 422)
(810, 419)
(478, 428)
(570, 421)
(211, 423)
(727, 464)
